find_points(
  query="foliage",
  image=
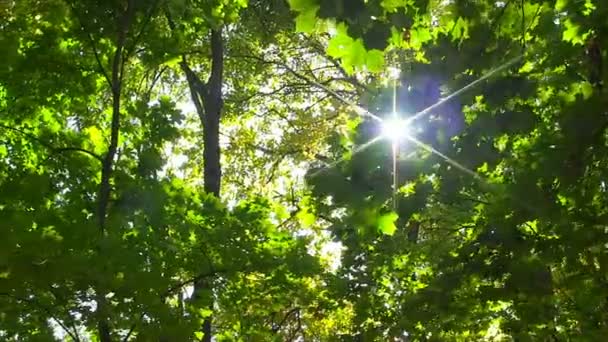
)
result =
(501, 229)
(492, 225)
(162, 233)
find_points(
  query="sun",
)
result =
(395, 128)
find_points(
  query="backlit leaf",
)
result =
(386, 223)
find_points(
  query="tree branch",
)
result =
(350, 79)
(47, 311)
(118, 66)
(496, 21)
(78, 149)
(278, 327)
(288, 89)
(146, 21)
(196, 87)
(116, 85)
(302, 77)
(171, 290)
(192, 280)
(157, 76)
(49, 146)
(93, 45)
(60, 299)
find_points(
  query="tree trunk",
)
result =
(211, 124)
(105, 187)
(207, 98)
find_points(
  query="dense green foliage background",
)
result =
(120, 220)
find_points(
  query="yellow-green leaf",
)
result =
(306, 218)
(95, 138)
(301, 5)
(571, 33)
(306, 20)
(386, 223)
(375, 61)
(339, 44)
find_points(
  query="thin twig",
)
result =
(154, 81)
(499, 16)
(476, 200)
(531, 228)
(529, 26)
(322, 87)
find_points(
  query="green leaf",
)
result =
(302, 5)
(204, 312)
(393, 5)
(355, 56)
(95, 138)
(461, 29)
(571, 33)
(306, 218)
(340, 43)
(408, 189)
(174, 61)
(386, 223)
(589, 7)
(375, 61)
(306, 20)
(419, 36)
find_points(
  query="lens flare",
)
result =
(395, 129)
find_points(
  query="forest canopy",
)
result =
(303, 170)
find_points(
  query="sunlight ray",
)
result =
(358, 109)
(395, 175)
(444, 157)
(489, 186)
(463, 89)
(355, 151)
(395, 147)
(394, 116)
(395, 99)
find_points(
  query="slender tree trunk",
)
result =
(211, 137)
(105, 188)
(207, 98)
(211, 124)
